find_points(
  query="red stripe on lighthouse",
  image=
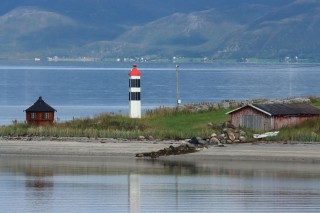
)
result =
(134, 71)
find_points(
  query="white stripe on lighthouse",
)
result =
(134, 89)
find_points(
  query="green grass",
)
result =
(183, 124)
(315, 101)
(164, 123)
(186, 121)
(307, 132)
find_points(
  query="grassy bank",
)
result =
(164, 123)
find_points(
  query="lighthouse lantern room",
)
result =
(134, 93)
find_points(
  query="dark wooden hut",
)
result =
(272, 116)
(40, 113)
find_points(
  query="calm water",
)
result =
(110, 185)
(87, 89)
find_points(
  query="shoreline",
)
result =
(126, 149)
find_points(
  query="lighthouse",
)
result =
(134, 93)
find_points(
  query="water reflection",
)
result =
(55, 184)
(134, 192)
(39, 178)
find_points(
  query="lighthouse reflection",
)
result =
(134, 192)
(39, 187)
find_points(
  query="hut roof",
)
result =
(40, 106)
(283, 109)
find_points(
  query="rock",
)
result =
(225, 129)
(224, 105)
(220, 145)
(194, 141)
(214, 140)
(140, 155)
(236, 135)
(231, 136)
(222, 136)
(242, 133)
(215, 106)
(229, 141)
(203, 142)
(213, 135)
(242, 139)
(150, 137)
(189, 145)
(141, 138)
(234, 104)
(223, 141)
(210, 124)
(154, 155)
(228, 125)
(198, 138)
(197, 141)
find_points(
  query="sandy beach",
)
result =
(262, 151)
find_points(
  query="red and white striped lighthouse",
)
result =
(134, 93)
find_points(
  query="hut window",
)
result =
(45, 115)
(33, 115)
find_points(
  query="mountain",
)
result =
(289, 30)
(22, 28)
(124, 28)
(250, 30)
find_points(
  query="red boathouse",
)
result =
(272, 116)
(40, 113)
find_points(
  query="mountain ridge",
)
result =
(126, 29)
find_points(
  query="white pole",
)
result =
(177, 83)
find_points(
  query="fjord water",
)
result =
(76, 185)
(87, 89)
(89, 184)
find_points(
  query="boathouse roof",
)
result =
(283, 109)
(40, 106)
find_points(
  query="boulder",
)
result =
(194, 141)
(222, 136)
(228, 125)
(224, 105)
(231, 136)
(213, 135)
(202, 142)
(243, 139)
(141, 138)
(214, 140)
(150, 137)
(197, 141)
(242, 133)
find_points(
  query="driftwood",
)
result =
(182, 149)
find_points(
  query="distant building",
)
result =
(272, 116)
(40, 113)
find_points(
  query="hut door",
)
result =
(252, 122)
